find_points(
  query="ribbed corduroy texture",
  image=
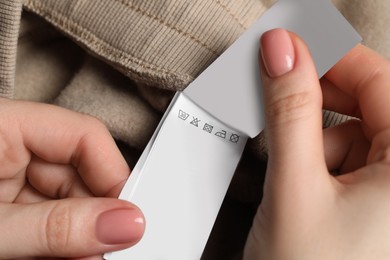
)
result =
(10, 11)
(163, 43)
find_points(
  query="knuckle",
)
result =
(58, 229)
(93, 123)
(93, 130)
(384, 155)
(290, 107)
(380, 148)
(13, 159)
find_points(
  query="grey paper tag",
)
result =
(230, 89)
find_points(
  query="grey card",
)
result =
(230, 88)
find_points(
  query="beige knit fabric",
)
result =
(168, 43)
(371, 19)
(96, 89)
(162, 43)
(10, 12)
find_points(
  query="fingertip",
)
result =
(277, 52)
(120, 226)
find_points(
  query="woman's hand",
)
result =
(307, 213)
(53, 163)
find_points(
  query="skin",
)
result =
(58, 172)
(307, 213)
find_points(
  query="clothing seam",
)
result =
(102, 47)
(233, 15)
(168, 25)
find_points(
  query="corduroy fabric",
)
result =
(10, 12)
(162, 43)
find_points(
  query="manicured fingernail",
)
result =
(277, 52)
(120, 226)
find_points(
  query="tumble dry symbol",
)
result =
(234, 138)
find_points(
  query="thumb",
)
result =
(293, 119)
(293, 107)
(68, 228)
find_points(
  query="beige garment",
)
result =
(121, 61)
(10, 12)
(160, 43)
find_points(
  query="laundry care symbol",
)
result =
(208, 128)
(195, 121)
(221, 134)
(234, 138)
(183, 115)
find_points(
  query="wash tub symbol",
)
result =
(183, 115)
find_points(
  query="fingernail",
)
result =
(120, 226)
(277, 52)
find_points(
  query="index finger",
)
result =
(365, 75)
(61, 136)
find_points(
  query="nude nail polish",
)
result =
(120, 226)
(277, 52)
